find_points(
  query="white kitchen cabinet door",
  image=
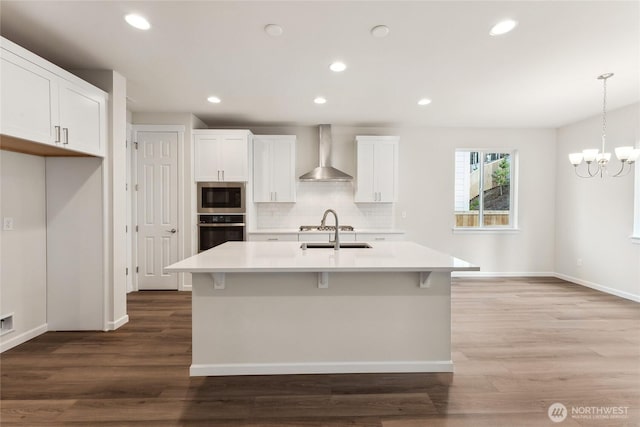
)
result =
(325, 237)
(207, 162)
(29, 100)
(82, 119)
(261, 170)
(274, 159)
(379, 237)
(385, 171)
(273, 237)
(221, 155)
(283, 167)
(366, 175)
(377, 164)
(233, 151)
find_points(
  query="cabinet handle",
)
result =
(379, 238)
(272, 239)
(57, 132)
(275, 196)
(65, 131)
(218, 175)
(223, 175)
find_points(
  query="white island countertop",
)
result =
(254, 257)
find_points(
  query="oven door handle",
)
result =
(230, 224)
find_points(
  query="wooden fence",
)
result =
(491, 218)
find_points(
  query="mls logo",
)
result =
(557, 412)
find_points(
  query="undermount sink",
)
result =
(332, 245)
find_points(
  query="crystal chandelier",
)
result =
(626, 155)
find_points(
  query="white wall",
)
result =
(23, 289)
(76, 250)
(594, 217)
(429, 198)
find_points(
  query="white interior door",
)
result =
(157, 170)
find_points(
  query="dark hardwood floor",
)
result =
(519, 346)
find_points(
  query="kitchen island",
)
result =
(276, 308)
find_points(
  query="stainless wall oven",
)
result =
(214, 230)
(221, 198)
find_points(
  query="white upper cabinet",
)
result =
(29, 100)
(274, 164)
(221, 155)
(45, 104)
(82, 118)
(377, 164)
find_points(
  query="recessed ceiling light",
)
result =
(338, 66)
(137, 21)
(380, 31)
(273, 30)
(214, 100)
(503, 27)
(320, 100)
(424, 101)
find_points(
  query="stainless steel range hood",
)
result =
(325, 172)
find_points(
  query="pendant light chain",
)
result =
(604, 113)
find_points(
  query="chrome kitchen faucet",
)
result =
(337, 235)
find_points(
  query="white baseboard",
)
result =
(6, 344)
(112, 326)
(198, 370)
(186, 288)
(601, 288)
(502, 274)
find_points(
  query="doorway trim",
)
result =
(180, 130)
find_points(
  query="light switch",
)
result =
(7, 223)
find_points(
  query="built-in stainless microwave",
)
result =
(221, 197)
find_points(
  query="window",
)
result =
(484, 189)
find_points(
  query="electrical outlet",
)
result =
(579, 262)
(404, 214)
(6, 324)
(7, 223)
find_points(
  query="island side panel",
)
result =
(279, 323)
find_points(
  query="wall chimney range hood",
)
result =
(325, 172)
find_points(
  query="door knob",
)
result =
(172, 231)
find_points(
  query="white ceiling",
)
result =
(540, 75)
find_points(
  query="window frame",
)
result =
(512, 227)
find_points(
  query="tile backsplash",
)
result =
(313, 198)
